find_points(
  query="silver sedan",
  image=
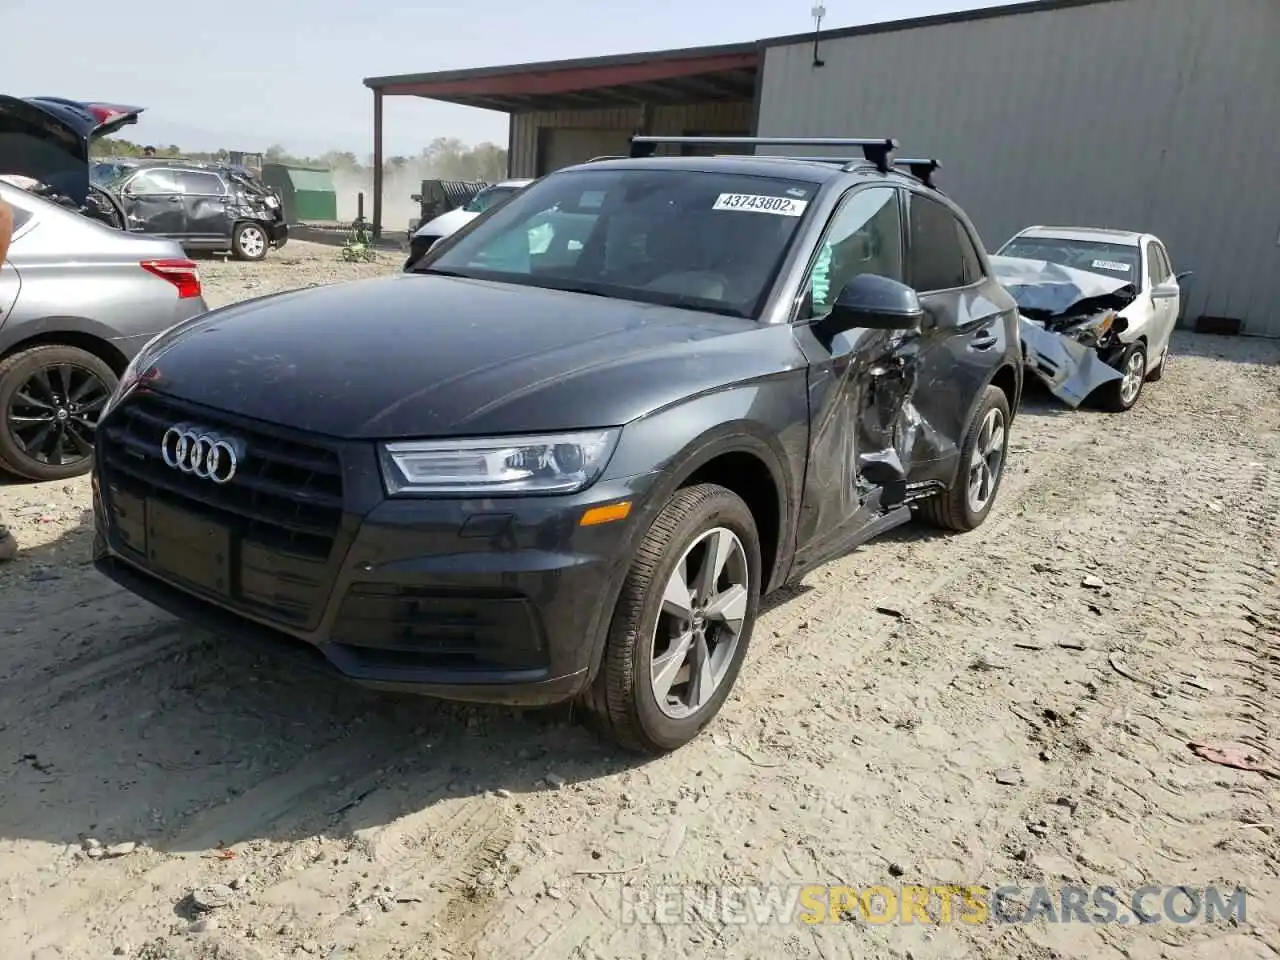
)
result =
(77, 301)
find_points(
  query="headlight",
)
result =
(1094, 332)
(555, 463)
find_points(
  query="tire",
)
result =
(1114, 396)
(249, 241)
(954, 509)
(1158, 373)
(621, 701)
(68, 370)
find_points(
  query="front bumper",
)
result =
(1070, 369)
(278, 233)
(498, 600)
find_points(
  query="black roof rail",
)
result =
(607, 156)
(845, 163)
(922, 170)
(876, 151)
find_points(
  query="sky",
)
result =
(290, 71)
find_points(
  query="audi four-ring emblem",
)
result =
(200, 452)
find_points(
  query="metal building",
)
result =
(1152, 115)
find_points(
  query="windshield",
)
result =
(1109, 259)
(487, 198)
(708, 241)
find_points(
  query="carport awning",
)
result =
(675, 77)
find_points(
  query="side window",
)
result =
(935, 260)
(865, 236)
(152, 182)
(1153, 266)
(970, 261)
(1166, 269)
(198, 184)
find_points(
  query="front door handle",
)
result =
(984, 339)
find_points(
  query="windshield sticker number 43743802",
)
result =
(756, 203)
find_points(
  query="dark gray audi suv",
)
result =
(566, 455)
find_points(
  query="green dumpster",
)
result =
(307, 193)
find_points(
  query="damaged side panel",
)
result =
(863, 419)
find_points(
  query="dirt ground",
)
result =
(1013, 705)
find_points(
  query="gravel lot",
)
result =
(1013, 705)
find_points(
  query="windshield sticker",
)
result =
(1111, 265)
(778, 206)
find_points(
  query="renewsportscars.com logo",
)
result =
(945, 904)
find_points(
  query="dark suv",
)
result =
(204, 206)
(567, 454)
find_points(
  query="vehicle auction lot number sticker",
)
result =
(755, 203)
(1115, 265)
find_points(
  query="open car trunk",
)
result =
(47, 139)
(1069, 323)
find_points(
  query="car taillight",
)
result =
(181, 273)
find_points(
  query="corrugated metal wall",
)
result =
(671, 121)
(1154, 115)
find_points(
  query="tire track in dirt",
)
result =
(150, 646)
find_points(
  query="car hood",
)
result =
(48, 138)
(429, 356)
(446, 223)
(1045, 290)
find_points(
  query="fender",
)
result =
(749, 433)
(14, 335)
(1013, 368)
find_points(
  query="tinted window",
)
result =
(1109, 259)
(200, 184)
(935, 260)
(969, 259)
(865, 236)
(709, 241)
(152, 182)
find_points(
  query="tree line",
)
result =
(445, 157)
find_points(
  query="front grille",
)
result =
(282, 510)
(397, 624)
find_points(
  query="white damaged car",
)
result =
(1098, 309)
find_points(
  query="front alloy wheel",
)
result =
(682, 624)
(700, 623)
(1119, 396)
(249, 241)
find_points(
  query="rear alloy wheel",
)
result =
(51, 398)
(982, 458)
(249, 241)
(683, 623)
(1119, 396)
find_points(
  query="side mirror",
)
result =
(1166, 291)
(872, 302)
